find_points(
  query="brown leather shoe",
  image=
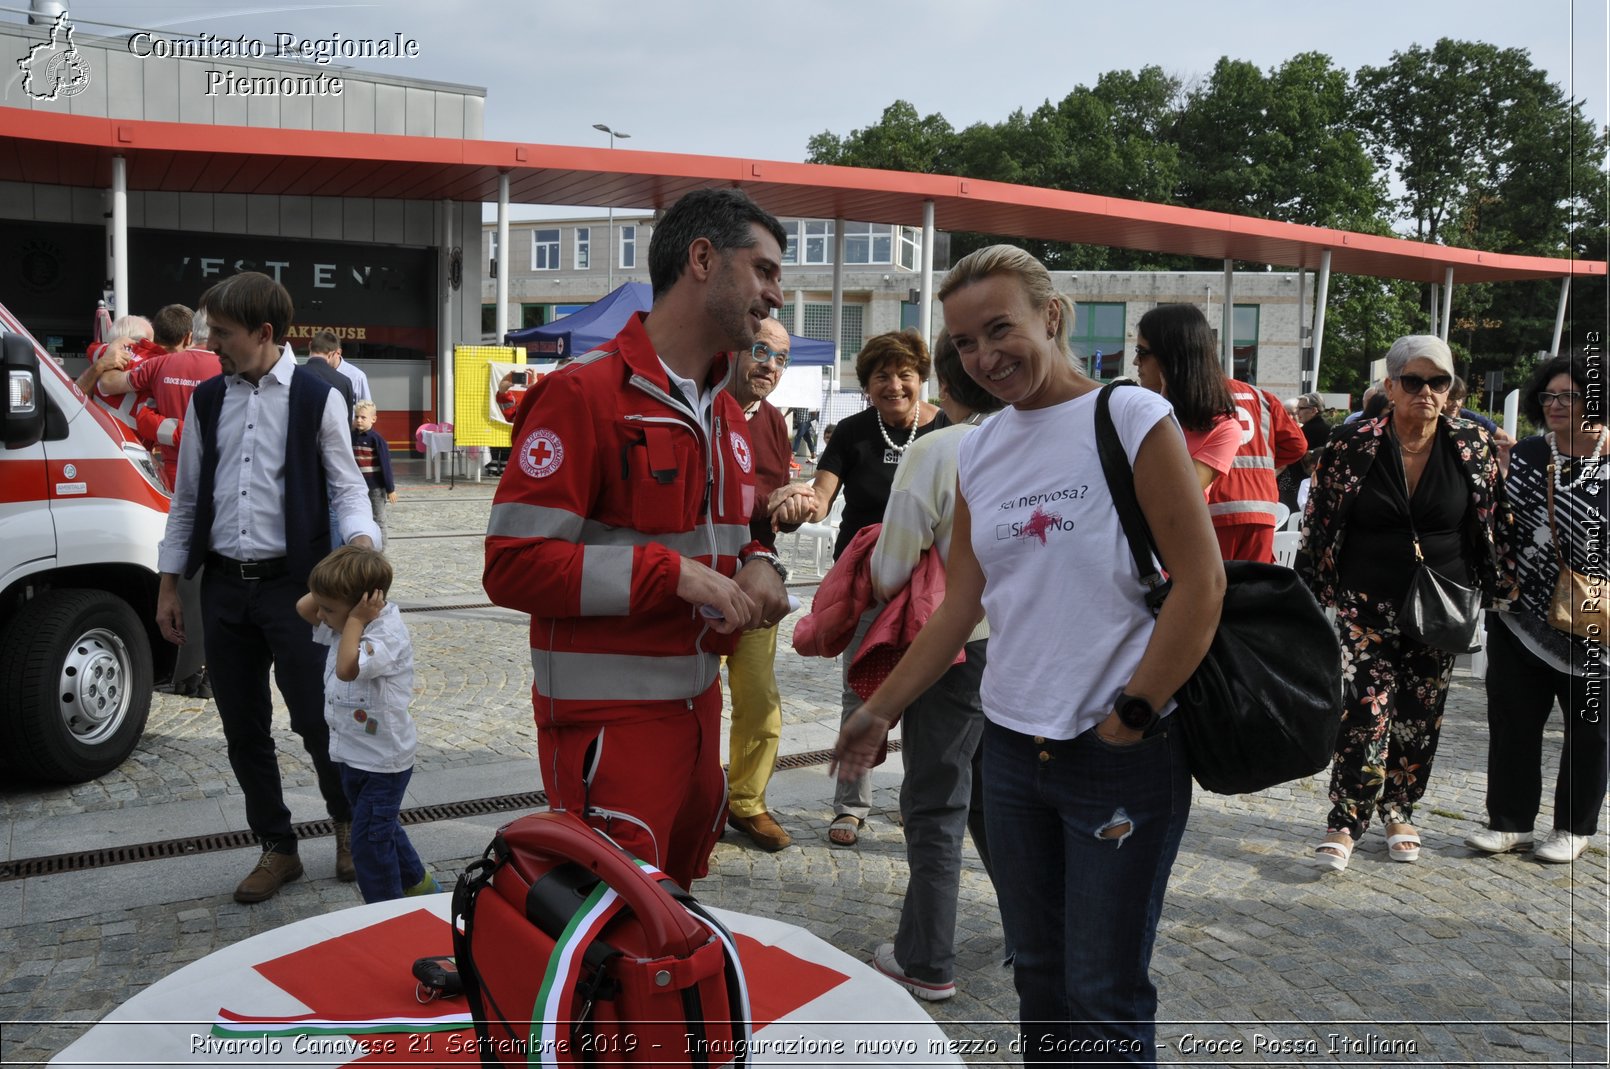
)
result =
(765, 832)
(345, 871)
(273, 871)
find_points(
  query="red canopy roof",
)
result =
(76, 150)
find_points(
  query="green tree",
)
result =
(901, 140)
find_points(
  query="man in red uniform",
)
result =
(166, 378)
(622, 527)
(126, 345)
(1242, 500)
(757, 711)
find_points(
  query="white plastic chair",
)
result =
(1286, 543)
(824, 534)
(1282, 514)
(1296, 521)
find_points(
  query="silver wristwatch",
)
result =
(770, 558)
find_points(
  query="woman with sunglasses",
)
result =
(1380, 484)
(860, 461)
(1174, 356)
(1530, 665)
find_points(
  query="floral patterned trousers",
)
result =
(1393, 691)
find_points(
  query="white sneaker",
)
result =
(927, 990)
(1562, 847)
(1498, 842)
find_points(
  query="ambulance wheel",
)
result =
(77, 665)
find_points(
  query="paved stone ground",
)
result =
(1261, 957)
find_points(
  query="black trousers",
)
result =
(250, 625)
(1521, 693)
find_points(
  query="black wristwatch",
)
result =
(1134, 713)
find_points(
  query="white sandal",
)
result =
(1337, 861)
(1405, 856)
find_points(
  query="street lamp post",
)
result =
(610, 254)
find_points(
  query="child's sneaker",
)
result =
(427, 886)
(927, 990)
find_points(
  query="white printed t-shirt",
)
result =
(1068, 620)
(370, 727)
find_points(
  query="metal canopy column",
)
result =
(1559, 316)
(1227, 321)
(838, 291)
(926, 288)
(1447, 302)
(1321, 296)
(444, 342)
(120, 236)
(503, 258)
(1436, 303)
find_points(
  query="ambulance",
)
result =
(82, 509)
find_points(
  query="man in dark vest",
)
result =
(265, 445)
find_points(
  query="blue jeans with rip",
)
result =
(386, 861)
(1083, 835)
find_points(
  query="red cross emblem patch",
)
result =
(740, 452)
(541, 454)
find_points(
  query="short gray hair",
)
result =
(1312, 400)
(1414, 346)
(199, 331)
(134, 328)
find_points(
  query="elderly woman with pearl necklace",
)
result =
(860, 462)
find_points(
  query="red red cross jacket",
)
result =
(1270, 439)
(611, 481)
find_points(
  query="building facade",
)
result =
(379, 272)
(557, 267)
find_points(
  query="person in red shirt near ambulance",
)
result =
(126, 345)
(167, 378)
(622, 527)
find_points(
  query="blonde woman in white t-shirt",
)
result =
(1086, 788)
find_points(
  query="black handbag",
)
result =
(1437, 611)
(1265, 705)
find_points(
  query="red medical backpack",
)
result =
(573, 952)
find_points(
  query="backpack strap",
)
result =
(1121, 486)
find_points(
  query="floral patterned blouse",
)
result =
(1347, 459)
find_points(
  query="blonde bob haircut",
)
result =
(1030, 273)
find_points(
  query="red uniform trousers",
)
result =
(1247, 541)
(654, 786)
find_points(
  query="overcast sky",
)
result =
(728, 77)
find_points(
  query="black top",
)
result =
(865, 466)
(1377, 558)
(339, 382)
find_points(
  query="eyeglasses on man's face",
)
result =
(1568, 398)
(1416, 383)
(760, 352)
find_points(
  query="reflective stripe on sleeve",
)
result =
(606, 580)
(1253, 462)
(513, 519)
(570, 676)
(168, 431)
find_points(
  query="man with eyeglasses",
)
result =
(757, 710)
(621, 525)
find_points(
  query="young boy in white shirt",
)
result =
(368, 682)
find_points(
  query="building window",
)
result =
(1244, 342)
(868, 243)
(545, 250)
(910, 248)
(791, 248)
(489, 319)
(628, 246)
(818, 244)
(533, 315)
(584, 243)
(1098, 337)
(819, 325)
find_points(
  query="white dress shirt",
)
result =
(248, 495)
